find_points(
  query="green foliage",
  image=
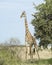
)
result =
(39, 62)
(42, 22)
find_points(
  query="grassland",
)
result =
(8, 57)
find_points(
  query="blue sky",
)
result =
(10, 23)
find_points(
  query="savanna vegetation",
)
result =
(42, 23)
(8, 57)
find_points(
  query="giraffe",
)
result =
(28, 37)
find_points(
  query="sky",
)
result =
(11, 26)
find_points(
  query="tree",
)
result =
(12, 41)
(42, 23)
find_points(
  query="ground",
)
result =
(12, 56)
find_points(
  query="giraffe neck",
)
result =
(26, 25)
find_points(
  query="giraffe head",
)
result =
(23, 14)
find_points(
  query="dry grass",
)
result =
(15, 55)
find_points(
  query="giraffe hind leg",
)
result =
(30, 50)
(33, 50)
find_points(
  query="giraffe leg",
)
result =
(31, 54)
(34, 50)
(26, 51)
(37, 50)
(30, 49)
(38, 55)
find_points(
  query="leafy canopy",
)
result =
(42, 22)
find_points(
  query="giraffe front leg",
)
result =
(31, 54)
(26, 50)
(29, 50)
